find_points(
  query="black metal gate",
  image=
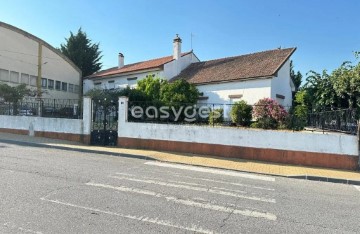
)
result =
(104, 122)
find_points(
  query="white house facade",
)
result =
(249, 77)
(26, 59)
(128, 75)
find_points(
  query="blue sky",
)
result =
(325, 32)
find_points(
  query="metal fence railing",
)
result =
(219, 114)
(45, 107)
(345, 120)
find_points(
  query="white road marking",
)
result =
(249, 213)
(213, 171)
(157, 221)
(21, 229)
(357, 187)
(203, 185)
(210, 180)
(209, 190)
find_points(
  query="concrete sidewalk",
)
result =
(330, 175)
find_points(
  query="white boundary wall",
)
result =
(332, 143)
(30, 123)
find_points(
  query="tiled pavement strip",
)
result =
(330, 175)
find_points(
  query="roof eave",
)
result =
(124, 73)
(233, 80)
(284, 61)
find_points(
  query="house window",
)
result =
(111, 84)
(51, 84)
(57, 85)
(132, 78)
(44, 83)
(71, 88)
(4, 75)
(280, 99)
(25, 78)
(33, 80)
(76, 88)
(235, 98)
(64, 86)
(14, 77)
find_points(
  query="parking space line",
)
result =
(208, 190)
(209, 206)
(133, 217)
(357, 187)
(212, 171)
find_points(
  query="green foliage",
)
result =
(347, 84)
(132, 94)
(216, 116)
(179, 91)
(339, 89)
(241, 113)
(301, 110)
(320, 87)
(295, 77)
(269, 114)
(82, 52)
(151, 87)
(13, 93)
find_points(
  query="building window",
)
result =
(43, 83)
(14, 77)
(132, 78)
(71, 88)
(4, 75)
(76, 88)
(33, 80)
(57, 85)
(64, 86)
(25, 78)
(51, 84)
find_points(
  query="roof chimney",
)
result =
(177, 47)
(121, 60)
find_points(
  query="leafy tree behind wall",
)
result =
(151, 87)
(296, 77)
(82, 52)
(179, 91)
(14, 94)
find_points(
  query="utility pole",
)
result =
(38, 81)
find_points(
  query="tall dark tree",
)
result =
(295, 77)
(85, 54)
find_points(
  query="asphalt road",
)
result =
(58, 191)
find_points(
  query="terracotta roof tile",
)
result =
(144, 65)
(256, 65)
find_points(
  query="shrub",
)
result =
(216, 116)
(301, 110)
(241, 113)
(269, 114)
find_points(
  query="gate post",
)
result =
(123, 115)
(123, 111)
(87, 119)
